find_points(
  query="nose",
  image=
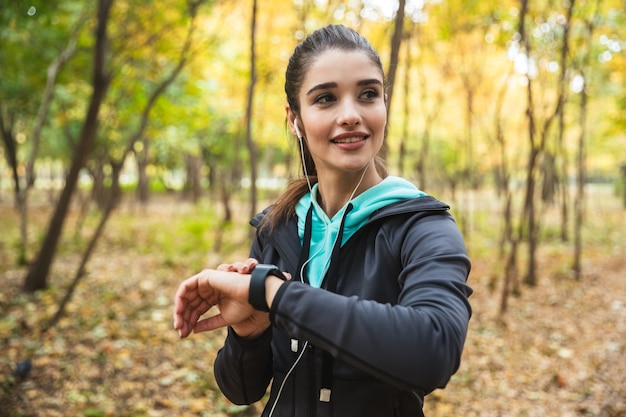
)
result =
(348, 114)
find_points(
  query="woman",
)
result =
(374, 313)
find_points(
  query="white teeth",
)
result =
(349, 140)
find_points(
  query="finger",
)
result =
(225, 267)
(183, 332)
(247, 266)
(240, 267)
(181, 319)
(252, 263)
(188, 321)
(181, 326)
(188, 306)
(287, 275)
(190, 285)
(210, 323)
(180, 305)
(178, 321)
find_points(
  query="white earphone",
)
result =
(295, 125)
(300, 140)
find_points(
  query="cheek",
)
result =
(380, 118)
(317, 126)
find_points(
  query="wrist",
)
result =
(272, 284)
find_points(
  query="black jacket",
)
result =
(393, 331)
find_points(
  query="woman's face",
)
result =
(342, 111)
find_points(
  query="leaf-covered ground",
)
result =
(559, 351)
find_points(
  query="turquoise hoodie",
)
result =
(325, 231)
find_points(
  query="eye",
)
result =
(370, 94)
(324, 99)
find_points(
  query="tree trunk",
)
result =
(407, 110)
(550, 178)
(396, 41)
(563, 88)
(528, 217)
(22, 187)
(225, 197)
(563, 183)
(623, 171)
(508, 241)
(112, 201)
(143, 180)
(37, 277)
(192, 187)
(538, 149)
(527, 227)
(428, 112)
(510, 278)
(252, 149)
(10, 147)
(580, 186)
(113, 195)
(98, 178)
(581, 154)
(469, 84)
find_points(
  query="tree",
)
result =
(115, 191)
(252, 149)
(36, 279)
(396, 41)
(584, 69)
(23, 110)
(508, 239)
(539, 129)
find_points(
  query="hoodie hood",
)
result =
(325, 231)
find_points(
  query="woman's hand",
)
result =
(228, 291)
(259, 321)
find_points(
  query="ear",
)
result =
(291, 117)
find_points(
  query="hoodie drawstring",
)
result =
(329, 283)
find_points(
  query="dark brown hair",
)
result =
(324, 39)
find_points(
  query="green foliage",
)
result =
(202, 112)
(193, 239)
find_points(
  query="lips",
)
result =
(351, 139)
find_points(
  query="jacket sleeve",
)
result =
(243, 369)
(414, 344)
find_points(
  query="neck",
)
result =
(336, 190)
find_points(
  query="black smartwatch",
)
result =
(256, 292)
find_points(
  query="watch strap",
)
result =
(256, 292)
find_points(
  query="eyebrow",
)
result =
(331, 84)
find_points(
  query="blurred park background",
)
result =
(139, 137)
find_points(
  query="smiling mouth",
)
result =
(352, 139)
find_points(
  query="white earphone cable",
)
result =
(282, 384)
(309, 259)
